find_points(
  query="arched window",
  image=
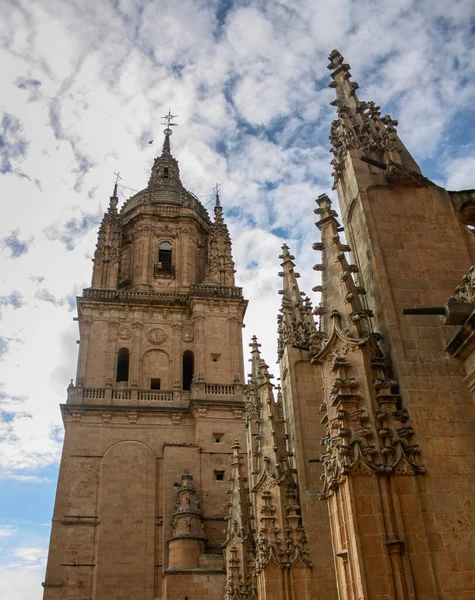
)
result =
(165, 257)
(188, 368)
(123, 365)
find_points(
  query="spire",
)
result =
(218, 211)
(117, 177)
(340, 294)
(361, 127)
(240, 580)
(168, 121)
(238, 501)
(106, 256)
(265, 418)
(166, 148)
(220, 266)
(255, 358)
(296, 326)
(274, 488)
(114, 200)
(239, 545)
(165, 172)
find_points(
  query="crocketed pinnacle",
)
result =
(265, 418)
(220, 266)
(255, 358)
(238, 500)
(239, 544)
(361, 127)
(106, 255)
(341, 296)
(295, 322)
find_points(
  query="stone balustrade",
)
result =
(219, 389)
(83, 395)
(160, 297)
(135, 396)
(223, 291)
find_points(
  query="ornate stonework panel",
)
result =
(187, 334)
(125, 332)
(156, 335)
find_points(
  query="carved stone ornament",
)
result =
(125, 332)
(465, 293)
(156, 335)
(187, 334)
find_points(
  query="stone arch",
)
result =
(125, 540)
(109, 448)
(156, 364)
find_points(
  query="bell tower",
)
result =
(156, 405)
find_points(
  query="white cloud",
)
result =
(7, 530)
(21, 583)
(460, 174)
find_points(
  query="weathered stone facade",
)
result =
(356, 478)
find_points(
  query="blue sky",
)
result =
(84, 86)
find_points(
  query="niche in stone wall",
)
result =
(156, 365)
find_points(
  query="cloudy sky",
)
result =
(84, 84)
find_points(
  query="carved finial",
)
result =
(254, 344)
(286, 256)
(336, 61)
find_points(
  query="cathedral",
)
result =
(182, 480)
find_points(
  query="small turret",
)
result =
(187, 539)
(220, 266)
(106, 256)
(165, 167)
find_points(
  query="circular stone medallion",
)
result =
(156, 335)
(125, 332)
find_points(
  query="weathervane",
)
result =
(168, 122)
